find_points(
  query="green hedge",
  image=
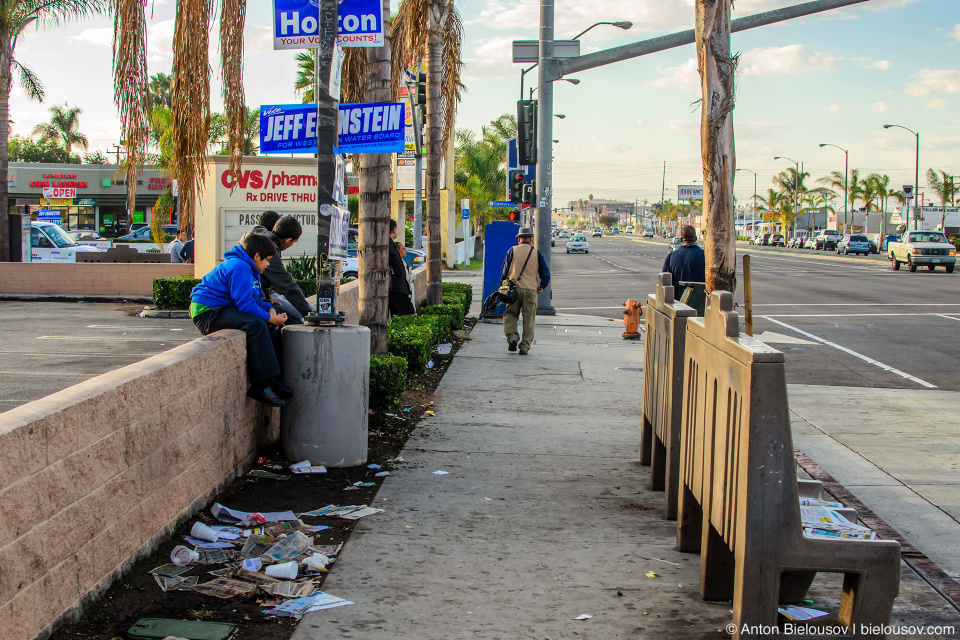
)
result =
(173, 293)
(308, 286)
(414, 343)
(459, 290)
(438, 327)
(454, 313)
(388, 379)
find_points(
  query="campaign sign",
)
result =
(288, 128)
(296, 24)
(371, 127)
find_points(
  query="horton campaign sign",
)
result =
(369, 127)
(296, 24)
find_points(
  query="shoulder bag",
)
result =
(508, 288)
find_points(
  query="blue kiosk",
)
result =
(497, 239)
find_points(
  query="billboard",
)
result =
(369, 127)
(689, 192)
(296, 24)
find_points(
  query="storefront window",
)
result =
(81, 219)
(113, 222)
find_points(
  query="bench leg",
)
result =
(755, 596)
(794, 586)
(646, 441)
(657, 464)
(671, 480)
(868, 599)
(717, 566)
(689, 522)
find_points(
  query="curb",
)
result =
(30, 297)
(150, 312)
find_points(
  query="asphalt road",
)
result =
(844, 321)
(48, 346)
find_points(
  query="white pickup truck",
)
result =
(923, 248)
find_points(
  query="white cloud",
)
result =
(882, 65)
(683, 126)
(758, 130)
(522, 16)
(934, 81)
(792, 58)
(101, 36)
(880, 107)
(684, 76)
(835, 108)
(938, 103)
(955, 34)
(639, 123)
(492, 58)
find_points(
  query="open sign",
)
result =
(59, 192)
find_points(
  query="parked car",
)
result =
(648, 233)
(762, 239)
(923, 248)
(853, 243)
(598, 234)
(415, 258)
(776, 240)
(810, 242)
(628, 230)
(615, 231)
(138, 225)
(873, 246)
(676, 242)
(143, 234)
(84, 234)
(827, 239)
(796, 242)
(578, 243)
(46, 235)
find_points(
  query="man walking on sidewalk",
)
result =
(531, 278)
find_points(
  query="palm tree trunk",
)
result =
(717, 69)
(436, 16)
(6, 60)
(374, 223)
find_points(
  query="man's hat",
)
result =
(525, 233)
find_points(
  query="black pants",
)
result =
(400, 304)
(264, 351)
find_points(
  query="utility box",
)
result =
(498, 237)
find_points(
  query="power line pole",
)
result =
(544, 203)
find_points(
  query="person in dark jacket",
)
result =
(686, 263)
(230, 297)
(279, 284)
(532, 277)
(186, 252)
(398, 301)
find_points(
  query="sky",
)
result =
(834, 78)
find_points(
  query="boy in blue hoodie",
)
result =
(230, 297)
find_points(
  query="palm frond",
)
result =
(232, 18)
(29, 82)
(130, 85)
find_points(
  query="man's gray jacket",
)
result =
(276, 277)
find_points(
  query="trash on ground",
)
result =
(316, 562)
(204, 544)
(364, 484)
(228, 533)
(373, 466)
(382, 474)
(225, 588)
(430, 413)
(256, 546)
(331, 509)
(171, 570)
(305, 467)
(292, 589)
(583, 616)
(159, 628)
(800, 613)
(233, 516)
(297, 607)
(252, 564)
(651, 574)
(216, 556)
(676, 564)
(430, 365)
(182, 556)
(440, 473)
(360, 513)
(289, 547)
(283, 571)
(444, 349)
(267, 475)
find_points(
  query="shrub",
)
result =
(173, 293)
(388, 379)
(439, 328)
(307, 285)
(453, 312)
(413, 343)
(303, 268)
(461, 289)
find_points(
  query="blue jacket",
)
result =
(687, 264)
(234, 282)
(543, 271)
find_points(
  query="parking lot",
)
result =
(49, 346)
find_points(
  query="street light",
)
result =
(796, 184)
(559, 115)
(754, 216)
(846, 186)
(622, 24)
(916, 184)
(573, 81)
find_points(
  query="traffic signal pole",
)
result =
(543, 200)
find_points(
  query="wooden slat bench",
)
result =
(739, 503)
(666, 327)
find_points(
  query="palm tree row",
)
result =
(480, 169)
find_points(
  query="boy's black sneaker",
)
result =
(265, 395)
(281, 389)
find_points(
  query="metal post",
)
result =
(747, 297)
(916, 189)
(544, 203)
(418, 200)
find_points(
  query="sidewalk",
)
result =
(545, 513)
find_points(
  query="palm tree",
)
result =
(773, 202)
(374, 215)
(881, 185)
(303, 84)
(15, 17)
(160, 87)
(943, 186)
(64, 127)
(432, 28)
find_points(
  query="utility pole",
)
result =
(544, 202)
(416, 112)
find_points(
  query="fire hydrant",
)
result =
(631, 319)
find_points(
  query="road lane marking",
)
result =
(582, 308)
(114, 339)
(949, 317)
(859, 304)
(849, 315)
(855, 354)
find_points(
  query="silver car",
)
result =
(578, 244)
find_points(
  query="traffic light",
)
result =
(422, 97)
(527, 132)
(513, 216)
(529, 192)
(516, 186)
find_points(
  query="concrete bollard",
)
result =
(328, 369)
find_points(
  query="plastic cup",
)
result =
(203, 532)
(182, 556)
(284, 571)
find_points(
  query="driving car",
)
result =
(598, 234)
(564, 234)
(143, 233)
(615, 231)
(776, 240)
(648, 233)
(853, 243)
(676, 242)
(578, 243)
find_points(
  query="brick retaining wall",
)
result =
(94, 476)
(80, 279)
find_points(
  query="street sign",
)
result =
(296, 22)
(529, 50)
(895, 218)
(501, 204)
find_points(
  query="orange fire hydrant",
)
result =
(631, 319)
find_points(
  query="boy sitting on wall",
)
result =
(230, 297)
